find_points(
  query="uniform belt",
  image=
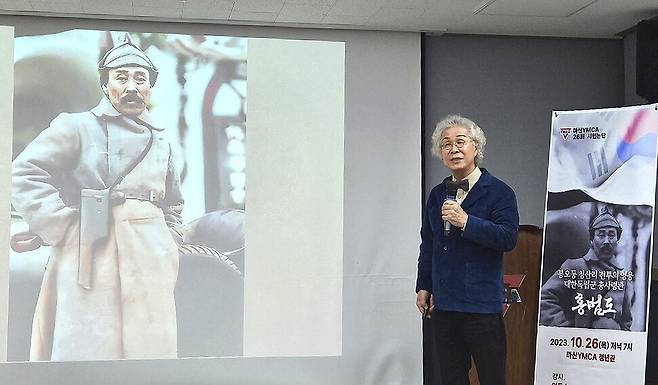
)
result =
(149, 196)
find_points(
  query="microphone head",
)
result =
(451, 188)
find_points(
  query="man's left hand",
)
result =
(452, 212)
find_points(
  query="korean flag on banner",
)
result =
(605, 153)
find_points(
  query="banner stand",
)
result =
(597, 247)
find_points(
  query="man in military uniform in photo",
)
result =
(100, 188)
(581, 307)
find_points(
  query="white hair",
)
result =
(475, 133)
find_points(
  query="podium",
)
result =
(521, 266)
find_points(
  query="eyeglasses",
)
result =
(448, 146)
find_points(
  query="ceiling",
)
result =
(564, 18)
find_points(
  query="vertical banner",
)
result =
(597, 247)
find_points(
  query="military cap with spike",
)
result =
(605, 219)
(123, 55)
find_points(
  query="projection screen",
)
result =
(316, 192)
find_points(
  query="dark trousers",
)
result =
(460, 336)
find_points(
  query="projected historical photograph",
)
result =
(128, 191)
(596, 260)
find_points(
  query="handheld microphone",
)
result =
(451, 195)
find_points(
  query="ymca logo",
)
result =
(582, 133)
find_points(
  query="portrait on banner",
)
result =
(596, 260)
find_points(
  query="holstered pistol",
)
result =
(94, 227)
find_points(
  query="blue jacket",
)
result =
(464, 271)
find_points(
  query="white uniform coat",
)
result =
(129, 311)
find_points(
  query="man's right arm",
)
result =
(424, 279)
(49, 157)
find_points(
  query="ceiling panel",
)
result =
(158, 3)
(219, 11)
(421, 4)
(268, 17)
(345, 20)
(174, 12)
(57, 6)
(120, 7)
(572, 18)
(388, 17)
(312, 2)
(552, 8)
(353, 8)
(258, 5)
(201, 3)
(298, 13)
(20, 5)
